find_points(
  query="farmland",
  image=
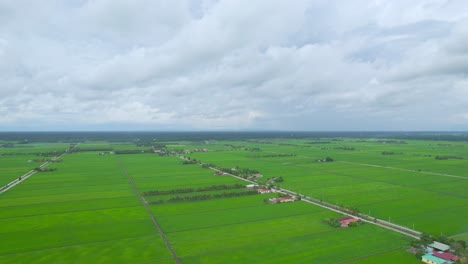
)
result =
(87, 211)
(275, 232)
(408, 193)
(84, 212)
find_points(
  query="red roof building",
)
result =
(445, 255)
(286, 199)
(345, 221)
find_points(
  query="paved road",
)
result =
(27, 175)
(375, 221)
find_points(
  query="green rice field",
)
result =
(87, 210)
(401, 188)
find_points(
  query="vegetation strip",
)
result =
(160, 231)
(28, 174)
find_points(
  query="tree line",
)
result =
(189, 190)
(202, 197)
(446, 157)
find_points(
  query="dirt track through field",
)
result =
(145, 204)
(394, 168)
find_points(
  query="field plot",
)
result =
(85, 212)
(17, 159)
(390, 180)
(245, 229)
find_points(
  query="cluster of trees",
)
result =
(326, 159)
(42, 169)
(150, 144)
(319, 142)
(234, 146)
(41, 160)
(333, 222)
(447, 157)
(242, 172)
(49, 154)
(392, 141)
(201, 197)
(350, 210)
(80, 149)
(390, 153)
(253, 149)
(199, 189)
(133, 151)
(345, 148)
(279, 179)
(274, 155)
(186, 162)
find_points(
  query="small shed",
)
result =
(439, 246)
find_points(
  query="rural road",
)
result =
(379, 222)
(27, 175)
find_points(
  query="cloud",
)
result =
(301, 65)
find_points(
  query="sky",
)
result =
(165, 65)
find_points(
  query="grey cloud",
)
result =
(228, 64)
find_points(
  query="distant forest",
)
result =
(25, 137)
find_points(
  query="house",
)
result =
(251, 186)
(204, 149)
(430, 259)
(286, 199)
(345, 221)
(446, 256)
(437, 246)
(218, 173)
(258, 175)
(262, 191)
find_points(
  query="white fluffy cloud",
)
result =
(232, 64)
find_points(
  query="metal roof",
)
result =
(439, 246)
(434, 259)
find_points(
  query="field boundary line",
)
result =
(28, 174)
(365, 218)
(370, 255)
(73, 245)
(153, 219)
(401, 169)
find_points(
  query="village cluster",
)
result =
(438, 253)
